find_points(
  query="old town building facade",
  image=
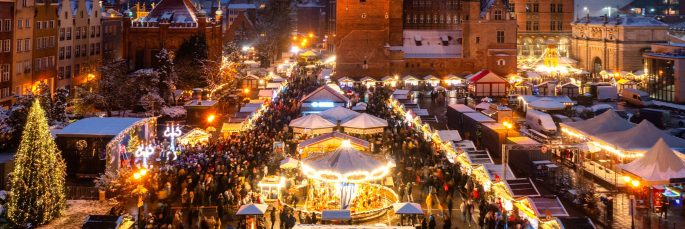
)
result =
(168, 25)
(422, 37)
(541, 23)
(616, 43)
(79, 42)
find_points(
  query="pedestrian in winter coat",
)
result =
(431, 223)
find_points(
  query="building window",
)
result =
(27, 44)
(8, 25)
(20, 24)
(60, 73)
(552, 25)
(498, 15)
(19, 45)
(5, 72)
(500, 37)
(536, 7)
(67, 72)
(52, 24)
(68, 52)
(61, 34)
(7, 45)
(68, 32)
(529, 25)
(501, 62)
(78, 33)
(77, 52)
(28, 23)
(560, 8)
(477, 40)
(661, 84)
(536, 26)
(560, 26)
(61, 53)
(553, 8)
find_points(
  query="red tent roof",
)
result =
(479, 75)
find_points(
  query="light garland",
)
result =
(172, 132)
(352, 177)
(143, 152)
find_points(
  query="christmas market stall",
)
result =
(338, 114)
(311, 124)
(91, 146)
(365, 124)
(322, 99)
(194, 137)
(329, 142)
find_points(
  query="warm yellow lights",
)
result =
(508, 125)
(635, 183)
(246, 90)
(211, 118)
(139, 174)
(354, 177)
(346, 143)
(626, 179)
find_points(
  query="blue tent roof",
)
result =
(98, 126)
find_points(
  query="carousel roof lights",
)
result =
(355, 176)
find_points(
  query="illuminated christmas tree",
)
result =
(37, 183)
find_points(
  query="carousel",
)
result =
(345, 179)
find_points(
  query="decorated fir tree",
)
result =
(37, 184)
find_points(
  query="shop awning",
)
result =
(449, 135)
(407, 208)
(252, 209)
(336, 215)
(478, 157)
(521, 187)
(547, 206)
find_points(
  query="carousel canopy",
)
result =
(658, 165)
(407, 208)
(606, 122)
(311, 121)
(641, 137)
(336, 114)
(365, 121)
(345, 164)
(546, 104)
(252, 209)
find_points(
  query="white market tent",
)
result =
(640, 138)
(546, 104)
(365, 124)
(252, 209)
(606, 122)
(407, 208)
(265, 93)
(336, 114)
(311, 123)
(657, 166)
(345, 164)
(336, 215)
(449, 135)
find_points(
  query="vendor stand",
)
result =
(194, 137)
(270, 188)
(311, 124)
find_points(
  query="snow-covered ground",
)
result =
(77, 211)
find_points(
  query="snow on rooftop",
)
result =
(431, 44)
(623, 20)
(96, 126)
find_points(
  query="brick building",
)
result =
(541, 23)
(6, 47)
(80, 42)
(22, 61)
(422, 37)
(112, 30)
(45, 35)
(168, 25)
(616, 43)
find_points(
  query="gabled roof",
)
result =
(345, 79)
(174, 11)
(325, 93)
(96, 126)
(485, 76)
(365, 121)
(311, 121)
(336, 114)
(345, 160)
(431, 77)
(388, 78)
(366, 78)
(409, 77)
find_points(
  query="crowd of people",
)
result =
(222, 174)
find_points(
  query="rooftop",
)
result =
(623, 20)
(96, 126)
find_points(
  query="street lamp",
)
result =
(141, 191)
(633, 184)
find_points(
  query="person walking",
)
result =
(449, 206)
(448, 223)
(273, 217)
(431, 222)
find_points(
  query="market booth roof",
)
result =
(521, 187)
(546, 104)
(365, 124)
(96, 126)
(325, 94)
(252, 209)
(641, 137)
(336, 114)
(657, 166)
(311, 121)
(609, 121)
(543, 206)
(449, 135)
(407, 208)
